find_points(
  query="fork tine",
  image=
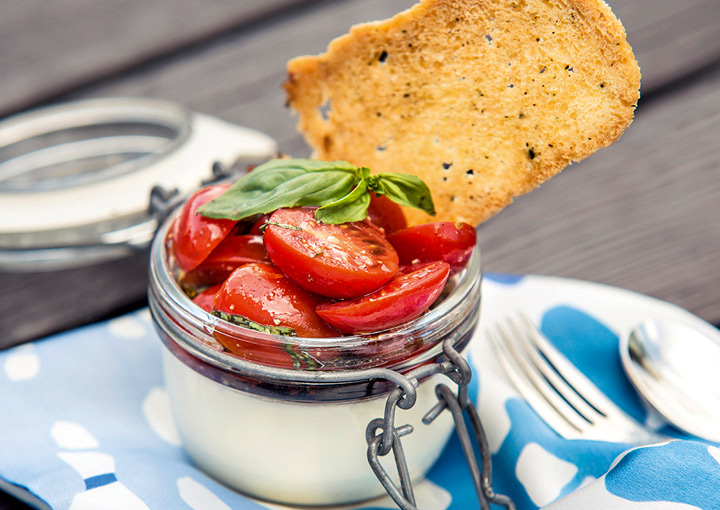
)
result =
(529, 390)
(526, 340)
(522, 355)
(551, 383)
(590, 393)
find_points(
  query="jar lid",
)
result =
(76, 179)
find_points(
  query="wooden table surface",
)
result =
(643, 214)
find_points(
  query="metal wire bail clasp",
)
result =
(163, 201)
(383, 437)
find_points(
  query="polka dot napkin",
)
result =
(85, 422)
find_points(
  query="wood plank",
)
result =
(49, 47)
(671, 39)
(53, 47)
(35, 305)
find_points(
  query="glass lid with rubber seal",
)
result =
(76, 179)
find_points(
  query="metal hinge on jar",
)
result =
(384, 437)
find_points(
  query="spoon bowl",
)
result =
(675, 367)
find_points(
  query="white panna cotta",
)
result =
(290, 452)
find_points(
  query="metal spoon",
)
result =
(675, 366)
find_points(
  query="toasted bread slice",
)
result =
(484, 100)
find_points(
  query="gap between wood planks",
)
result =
(680, 82)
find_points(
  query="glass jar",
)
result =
(286, 420)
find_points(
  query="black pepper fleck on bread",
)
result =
(484, 100)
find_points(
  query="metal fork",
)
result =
(563, 396)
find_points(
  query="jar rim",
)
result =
(193, 328)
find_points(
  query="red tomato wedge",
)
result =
(257, 227)
(402, 299)
(231, 253)
(451, 242)
(386, 214)
(195, 236)
(338, 261)
(263, 294)
(205, 299)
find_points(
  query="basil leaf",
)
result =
(301, 359)
(247, 323)
(334, 185)
(352, 207)
(277, 187)
(339, 189)
(407, 190)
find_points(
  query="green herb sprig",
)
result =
(247, 323)
(340, 190)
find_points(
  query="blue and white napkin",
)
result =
(85, 422)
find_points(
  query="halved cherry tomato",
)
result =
(338, 261)
(402, 299)
(205, 299)
(231, 253)
(386, 214)
(451, 242)
(195, 236)
(263, 294)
